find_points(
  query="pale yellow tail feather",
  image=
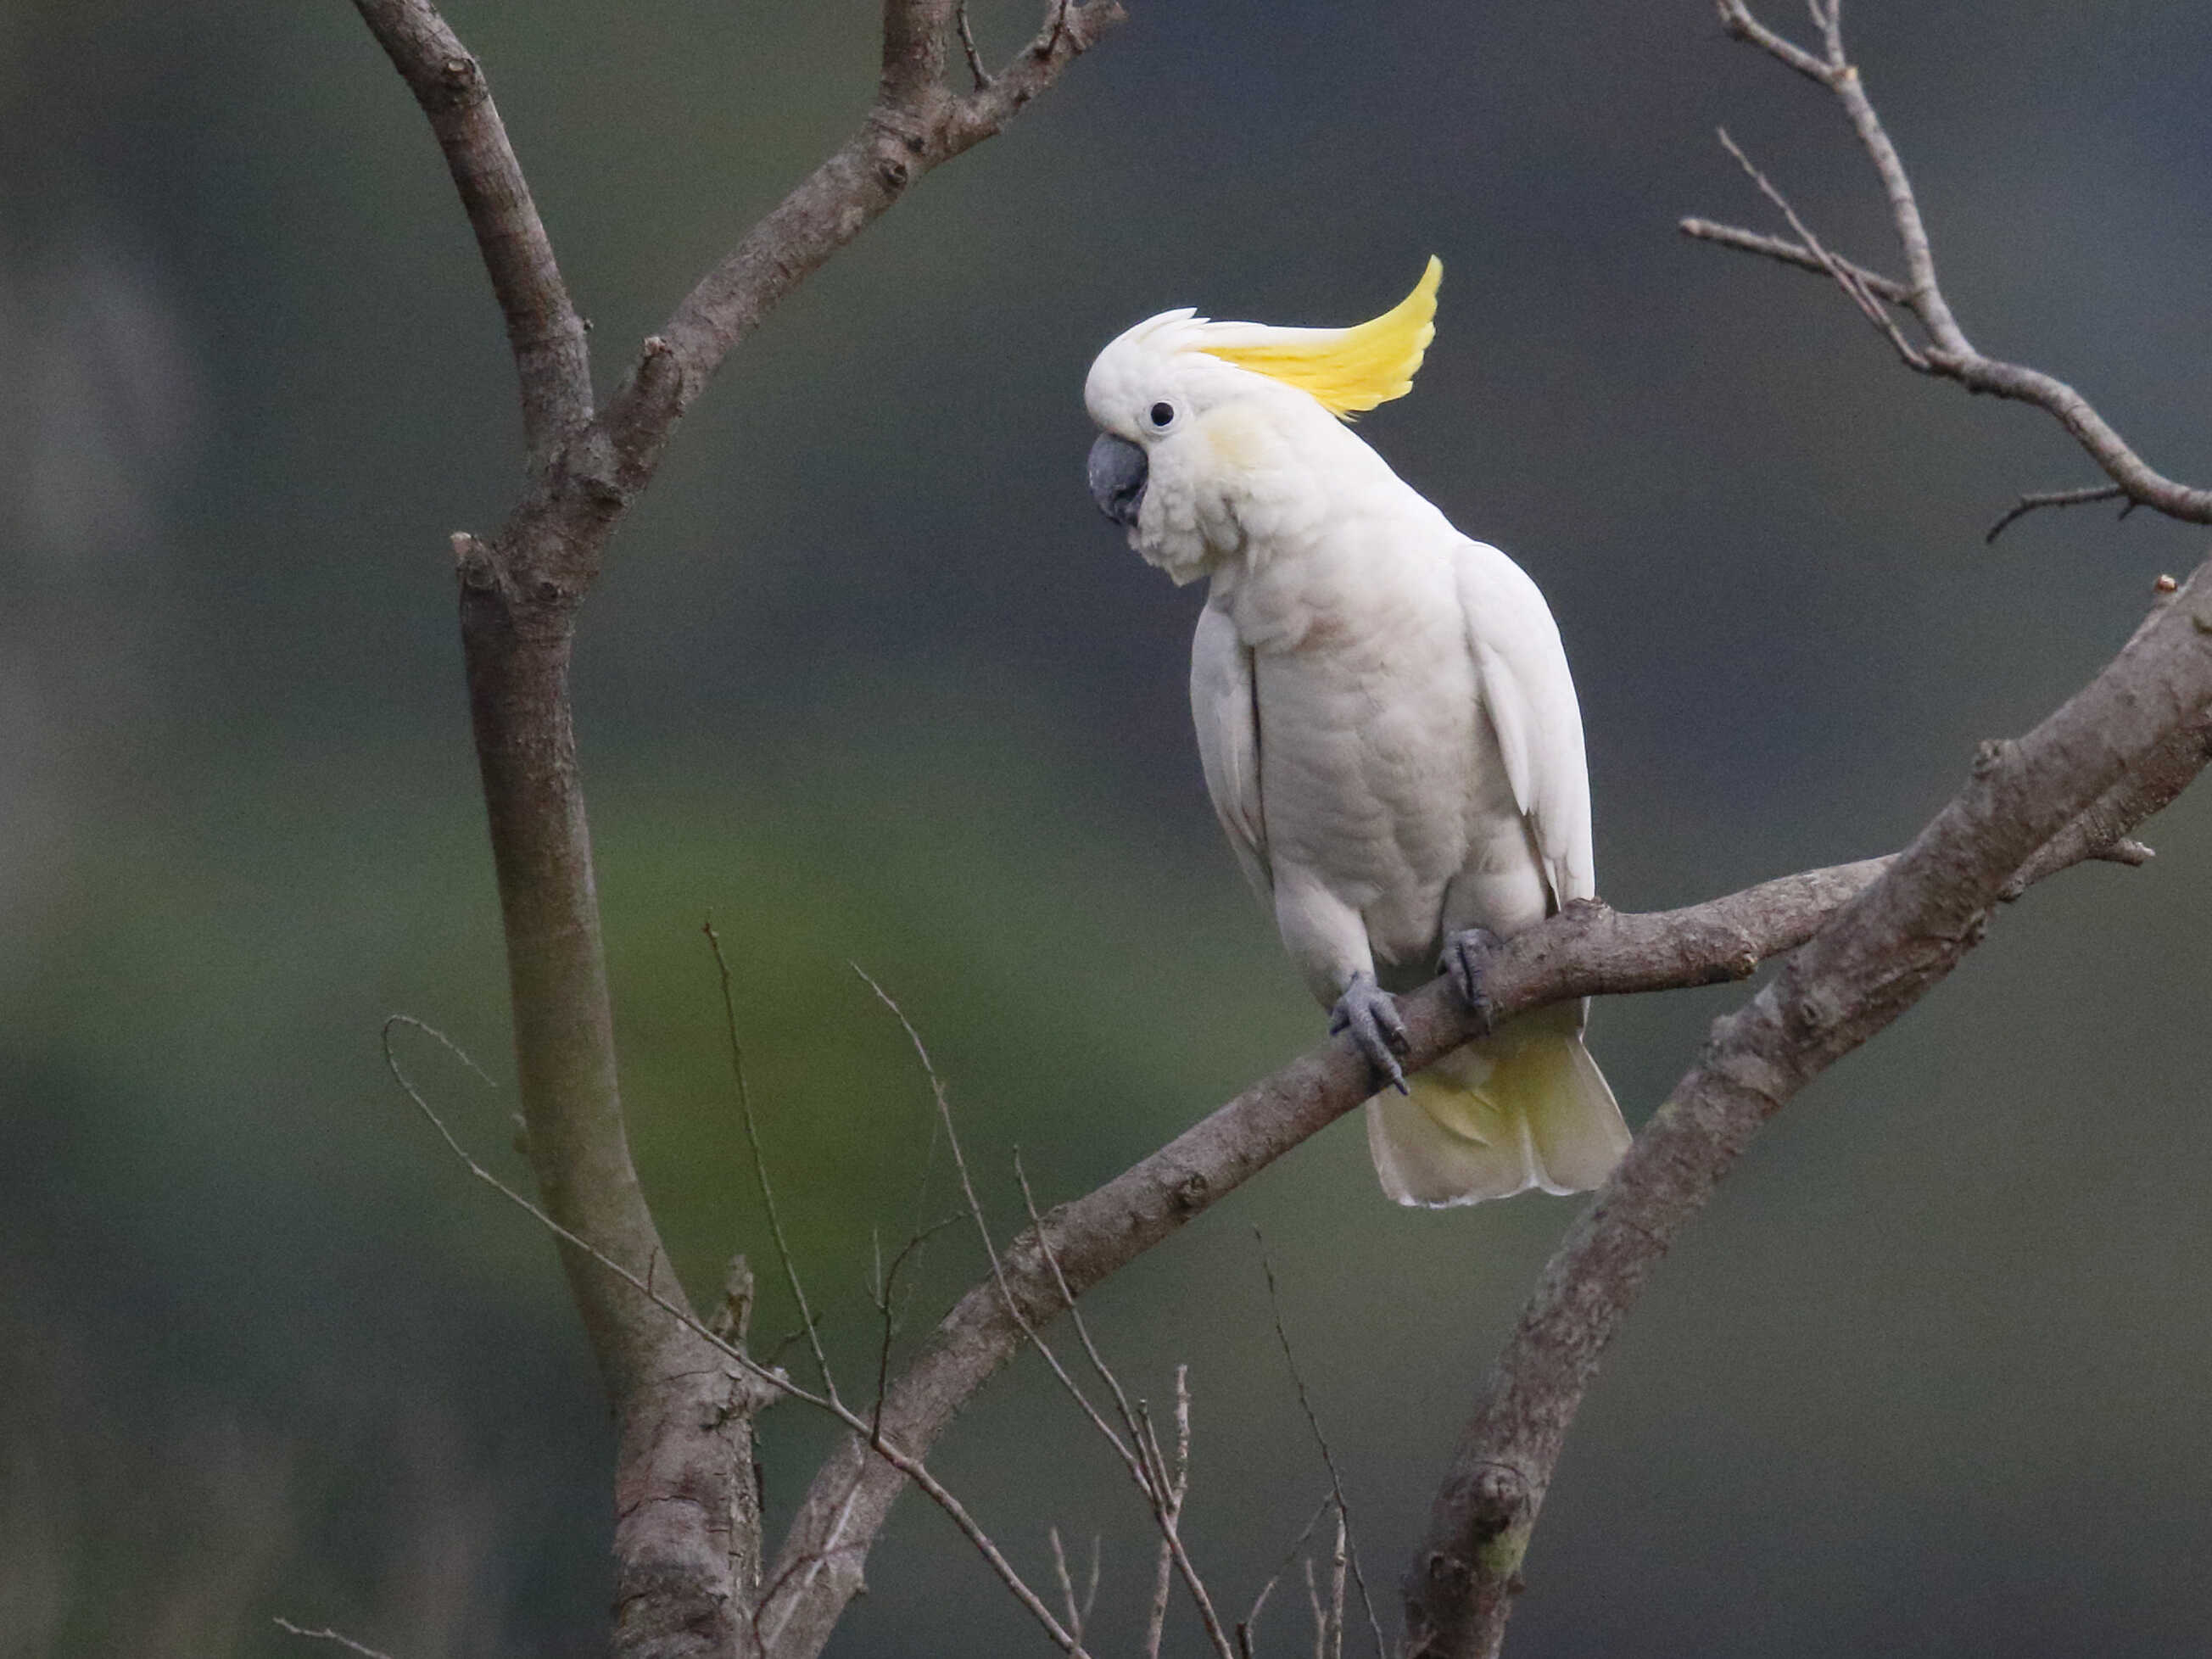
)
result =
(1516, 1110)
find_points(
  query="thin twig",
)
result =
(968, 46)
(346, 1642)
(1321, 1440)
(879, 1445)
(1090, 1588)
(2027, 504)
(1098, 1364)
(1251, 1621)
(1176, 1486)
(1336, 1586)
(745, 1100)
(1793, 253)
(882, 1292)
(1164, 1487)
(1737, 20)
(1078, 1612)
(983, 1227)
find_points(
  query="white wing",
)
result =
(1531, 700)
(1223, 708)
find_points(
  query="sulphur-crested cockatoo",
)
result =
(1384, 713)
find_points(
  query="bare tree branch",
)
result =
(1869, 304)
(916, 125)
(1588, 950)
(2144, 717)
(1949, 353)
(686, 1543)
(2027, 504)
(331, 1636)
(745, 1100)
(1792, 254)
(552, 358)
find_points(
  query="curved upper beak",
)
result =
(1117, 479)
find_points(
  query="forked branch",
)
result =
(686, 1542)
(1947, 352)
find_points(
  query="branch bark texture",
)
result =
(2126, 743)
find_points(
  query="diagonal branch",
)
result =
(552, 359)
(1793, 253)
(916, 125)
(1949, 354)
(1588, 950)
(2130, 739)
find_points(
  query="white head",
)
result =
(1212, 434)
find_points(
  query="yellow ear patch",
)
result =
(1346, 369)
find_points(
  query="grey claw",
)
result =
(1367, 1010)
(1465, 955)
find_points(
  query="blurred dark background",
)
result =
(868, 680)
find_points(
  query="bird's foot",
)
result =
(1466, 956)
(1367, 1012)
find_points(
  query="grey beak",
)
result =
(1117, 479)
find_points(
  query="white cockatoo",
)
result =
(1384, 713)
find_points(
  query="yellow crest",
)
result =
(1346, 369)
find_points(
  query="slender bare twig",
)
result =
(1793, 253)
(1161, 1488)
(1165, 1488)
(1949, 354)
(1737, 20)
(2027, 504)
(1078, 1612)
(982, 76)
(1249, 1623)
(908, 1466)
(1173, 1487)
(883, 1292)
(1870, 305)
(332, 1636)
(1321, 1440)
(1129, 1457)
(745, 1102)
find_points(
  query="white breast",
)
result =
(1379, 773)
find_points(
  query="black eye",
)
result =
(1163, 415)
